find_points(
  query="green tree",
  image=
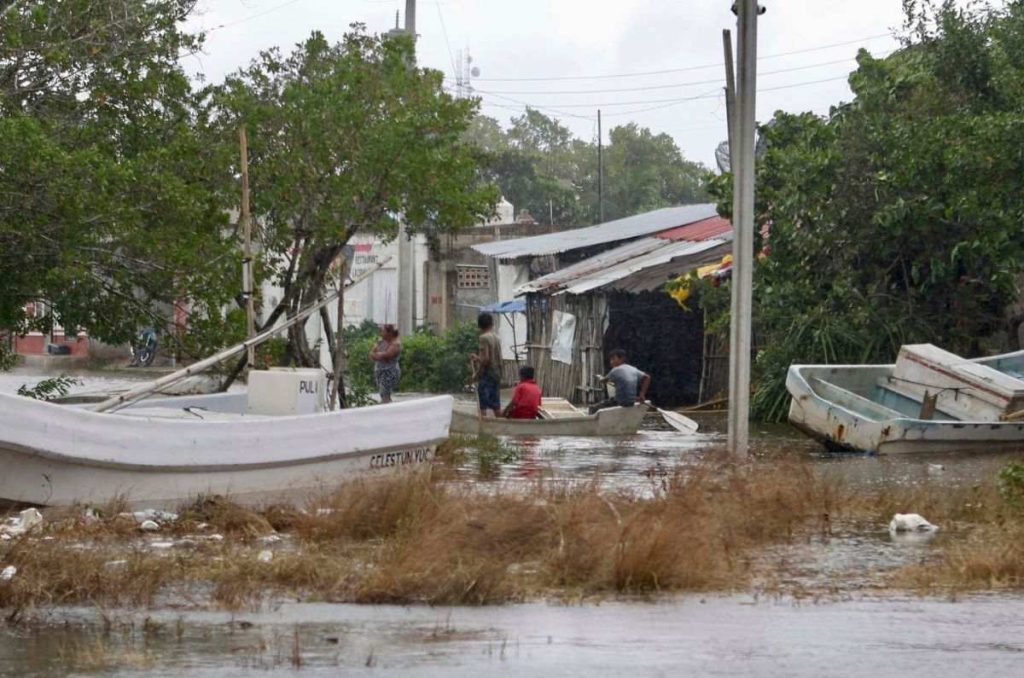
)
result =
(108, 201)
(347, 138)
(896, 218)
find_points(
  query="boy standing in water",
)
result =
(631, 384)
(487, 364)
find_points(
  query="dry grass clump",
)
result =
(419, 537)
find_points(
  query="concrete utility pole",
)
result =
(247, 276)
(742, 162)
(406, 248)
(600, 171)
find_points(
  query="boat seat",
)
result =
(854, 401)
(558, 408)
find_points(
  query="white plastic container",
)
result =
(287, 391)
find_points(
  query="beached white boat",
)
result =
(163, 452)
(558, 418)
(929, 401)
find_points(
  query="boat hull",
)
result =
(54, 455)
(615, 421)
(844, 421)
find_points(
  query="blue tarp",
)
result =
(514, 306)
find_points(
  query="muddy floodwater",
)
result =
(830, 619)
(692, 636)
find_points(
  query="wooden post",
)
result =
(338, 386)
(247, 277)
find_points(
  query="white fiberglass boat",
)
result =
(929, 401)
(164, 452)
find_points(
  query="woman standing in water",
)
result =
(385, 354)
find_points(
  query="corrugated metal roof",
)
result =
(593, 265)
(701, 230)
(621, 266)
(636, 226)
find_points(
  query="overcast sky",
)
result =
(806, 46)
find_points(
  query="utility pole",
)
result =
(406, 249)
(247, 277)
(730, 92)
(600, 170)
(742, 165)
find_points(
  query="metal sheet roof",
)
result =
(644, 264)
(700, 230)
(636, 226)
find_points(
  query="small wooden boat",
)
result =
(929, 401)
(558, 418)
(163, 452)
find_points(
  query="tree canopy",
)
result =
(348, 138)
(542, 168)
(897, 217)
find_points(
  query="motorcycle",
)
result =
(144, 348)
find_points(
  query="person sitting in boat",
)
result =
(526, 397)
(630, 383)
(387, 372)
(487, 367)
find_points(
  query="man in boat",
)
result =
(526, 397)
(487, 367)
(630, 383)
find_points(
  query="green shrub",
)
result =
(1011, 484)
(431, 363)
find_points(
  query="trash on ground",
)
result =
(265, 556)
(21, 523)
(149, 526)
(910, 522)
(8, 573)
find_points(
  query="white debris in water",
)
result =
(216, 537)
(161, 545)
(324, 511)
(8, 573)
(910, 522)
(265, 556)
(22, 523)
(149, 526)
(203, 526)
(936, 468)
(114, 564)
(270, 539)
(155, 515)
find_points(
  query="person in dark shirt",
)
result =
(630, 383)
(487, 367)
(526, 397)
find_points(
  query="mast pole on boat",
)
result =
(742, 164)
(143, 390)
(247, 268)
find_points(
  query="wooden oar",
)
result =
(679, 422)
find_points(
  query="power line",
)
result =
(688, 68)
(660, 101)
(680, 84)
(257, 15)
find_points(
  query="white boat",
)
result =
(164, 452)
(558, 418)
(929, 401)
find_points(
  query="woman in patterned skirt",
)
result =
(385, 354)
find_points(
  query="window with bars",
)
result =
(473, 277)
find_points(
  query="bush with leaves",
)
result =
(431, 363)
(896, 218)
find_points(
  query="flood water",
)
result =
(858, 633)
(692, 636)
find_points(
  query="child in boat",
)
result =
(631, 384)
(526, 396)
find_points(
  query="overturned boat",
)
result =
(558, 417)
(930, 400)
